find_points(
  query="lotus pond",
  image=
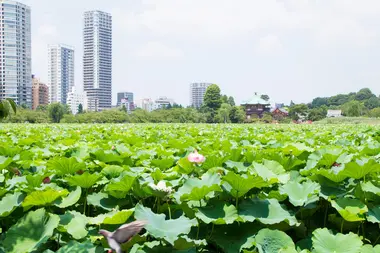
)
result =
(263, 188)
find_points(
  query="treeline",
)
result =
(354, 104)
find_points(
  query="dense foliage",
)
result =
(260, 189)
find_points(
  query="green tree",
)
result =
(56, 112)
(372, 103)
(318, 102)
(6, 107)
(225, 99)
(316, 114)
(80, 108)
(231, 101)
(267, 118)
(265, 97)
(353, 109)
(212, 98)
(364, 94)
(237, 114)
(224, 113)
(374, 113)
(297, 111)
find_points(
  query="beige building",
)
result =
(40, 93)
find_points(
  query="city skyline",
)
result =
(318, 49)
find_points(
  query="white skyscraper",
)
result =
(60, 72)
(97, 59)
(74, 99)
(15, 52)
(197, 92)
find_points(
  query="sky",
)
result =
(289, 49)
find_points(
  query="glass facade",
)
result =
(97, 58)
(197, 93)
(15, 52)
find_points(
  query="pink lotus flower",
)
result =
(195, 157)
(113, 148)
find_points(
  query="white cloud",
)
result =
(269, 44)
(155, 49)
(332, 21)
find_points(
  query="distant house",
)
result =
(279, 113)
(256, 106)
(334, 113)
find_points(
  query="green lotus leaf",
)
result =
(350, 209)
(4, 162)
(369, 249)
(160, 228)
(113, 218)
(86, 180)
(236, 237)
(240, 185)
(63, 166)
(361, 168)
(107, 157)
(325, 242)
(185, 243)
(301, 194)
(102, 200)
(197, 189)
(241, 168)
(77, 247)
(30, 232)
(374, 214)
(10, 202)
(119, 187)
(271, 173)
(70, 200)
(219, 213)
(112, 171)
(273, 241)
(75, 224)
(370, 187)
(268, 211)
(43, 197)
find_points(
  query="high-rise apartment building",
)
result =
(40, 93)
(197, 93)
(15, 52)
(97, 59)
(60, 72)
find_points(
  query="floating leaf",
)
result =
(30, 232)
(370, 187)
(301, 194)
(113, 218)
(273, 241)
(325, 242)
(4, 162)
(10, 202)
(160, 228)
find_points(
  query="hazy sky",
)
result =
(289, 49)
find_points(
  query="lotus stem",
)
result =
(237, 203)
(85, 202)
(199, 225)
(170, 212)
(341, 226)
